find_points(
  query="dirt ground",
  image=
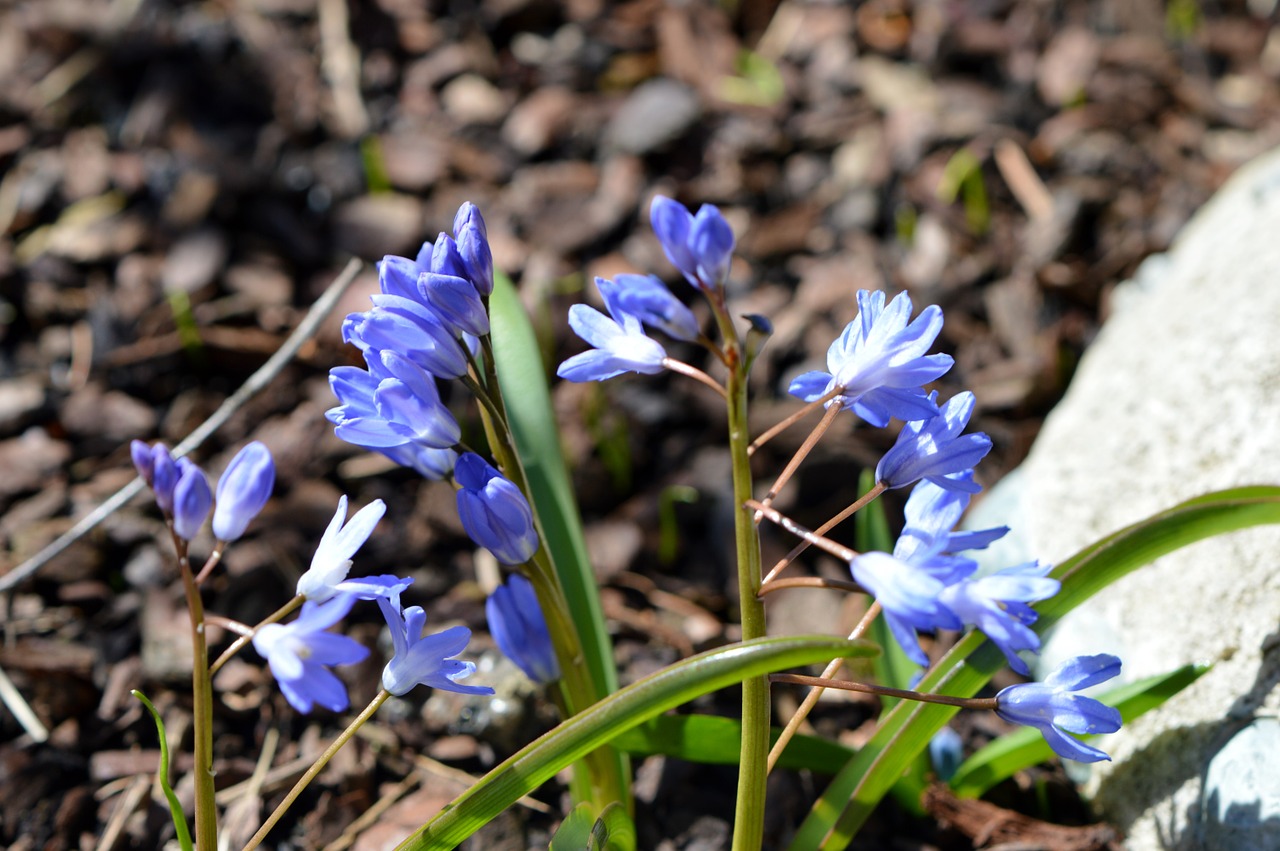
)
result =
(181, 180)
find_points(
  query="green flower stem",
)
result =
(315, 769)
(603, 782)
(202, 707)
(748, 827)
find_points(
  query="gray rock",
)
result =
(1177, 396)
(1241, 801)
(657, 112)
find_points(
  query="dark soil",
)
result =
(181, 180)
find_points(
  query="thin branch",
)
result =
(810, 582)
(811, 699)
(988, 703)
(791, 420)
(255, 384)
(694, 373)
(838, 550)
(811, 441)
(799, 548)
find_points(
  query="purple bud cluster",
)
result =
(182, 489)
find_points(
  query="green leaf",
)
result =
(533, 424)
(574, 833)
(576, 736)
(614, 829)
(906, 730)
(1025, 747)
(162, 774)
(713, 740)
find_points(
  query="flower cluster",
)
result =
(423, 326)
(925, 585)
(701, 247)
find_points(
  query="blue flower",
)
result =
(909, 583)
(473, 245)
(327, 575)
(301, 652)
(648, 299)
(143, 460)
(879, 363)
(403, 325)
(420, 659)
(1050, 708)
(433, 464)
(493, 511)
(164, 478)
(946, 752)
(192, 499)
(620, 344)
(997, 605)
(455, 301)
(243, 489)
(393, 403)
(518, 626)
(934, 449)
(699, 246)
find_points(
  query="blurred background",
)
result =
(180, 180)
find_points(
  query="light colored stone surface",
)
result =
(1179, 395)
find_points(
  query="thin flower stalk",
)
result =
(815, 693)
(315, 769)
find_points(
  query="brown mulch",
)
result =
(179, 181)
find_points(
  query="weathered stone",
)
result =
(1178, 396)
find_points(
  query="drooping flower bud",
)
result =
(494, 512)
(192, 500)
(520, 629)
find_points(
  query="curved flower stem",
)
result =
(214, 559)
(202, 706)
(811, 441)
(986, 703)
(809, 582)
(694, 373)
(811, 699)
(777, 429)
(315, 769)
(838, 550)
(799, 548)
(239, 643)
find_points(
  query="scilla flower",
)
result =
(300, 652)
(424, 659)
(494, 512)
(878, 363)
(934, 449)
(243, 489)
(518, 626)
(192, 499)
(648, 299)
(1052, 709)
(997, 605)
(331, 563)
(620, 344)
(699, 246)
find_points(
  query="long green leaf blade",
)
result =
(715, 740)
(524, 388)
(1025, 747)
(576, 736)
(906, 730)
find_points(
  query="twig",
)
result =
(255, 383)
(21, 709)
(1022, 180)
